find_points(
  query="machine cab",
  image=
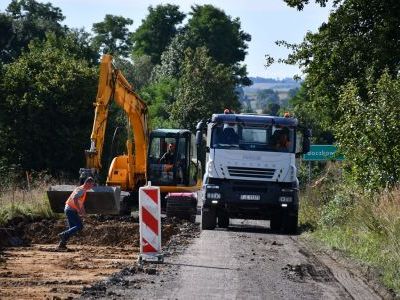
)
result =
(170, 158)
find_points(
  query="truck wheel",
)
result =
(291, 226)
(208, 219)
(276, 222)
(223, 219)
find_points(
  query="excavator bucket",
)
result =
(99, 200)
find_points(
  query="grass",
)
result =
(365, 226)
(28, 200)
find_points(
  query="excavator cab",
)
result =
(172, 159)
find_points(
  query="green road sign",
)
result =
(322, 152)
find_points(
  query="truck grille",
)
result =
(251, 172)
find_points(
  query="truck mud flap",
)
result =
(99, 200)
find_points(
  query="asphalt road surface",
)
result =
(247, 261)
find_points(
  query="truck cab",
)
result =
(251, 170)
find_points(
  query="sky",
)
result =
(265, 20)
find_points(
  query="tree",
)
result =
(357, 44)
(267, 95)
(205, 87)
(46, 106)
(221, 35)
(142, 70)
(172, 58)
(160, 96)
(156, 31)
(112, 35)
(271, 109)
(137, 71)
(24, 21)
(300, 3)
(368, 135)
(76, 42)
(302, 106)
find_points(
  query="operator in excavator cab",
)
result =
(168, 157)
(74, 208)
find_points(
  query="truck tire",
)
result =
(208, 219)
(291, 223)
(276, 222)
(223, 219)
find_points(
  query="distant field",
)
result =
(273, 86)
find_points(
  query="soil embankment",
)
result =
(30, 268)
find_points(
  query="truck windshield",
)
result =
(253, 137)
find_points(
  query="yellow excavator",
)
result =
(179, 176)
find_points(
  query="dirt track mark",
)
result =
(356, 287)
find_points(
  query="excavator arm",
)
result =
(126, 172)
(113, 86)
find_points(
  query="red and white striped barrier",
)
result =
(150, 223)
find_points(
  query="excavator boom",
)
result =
(126, 171)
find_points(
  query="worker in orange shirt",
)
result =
(74, 208)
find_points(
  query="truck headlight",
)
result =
(285, 199)
(212, 186)
(216, 196)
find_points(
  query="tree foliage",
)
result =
(301, 105)
(160, 96)
(219, 33)
(46, 106)
(172, 58)
(205, 87)
(271, 109)
(112, 35)
(48, 76)
(226, 42)
(358, 43)
(267, 95)
(24, 21)
(352, 65)
(156, 31)
(299, 4)
(368, 135)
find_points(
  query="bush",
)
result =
(368, 132)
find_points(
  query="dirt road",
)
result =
(245, 262)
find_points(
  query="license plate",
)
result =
(249, 197)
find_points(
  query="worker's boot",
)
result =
(63, 243)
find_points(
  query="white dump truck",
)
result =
(250, 170)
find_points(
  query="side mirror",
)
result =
(306, 141)
(199, 137)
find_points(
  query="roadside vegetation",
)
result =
(363, 225)
(350, 98)
(25, 198)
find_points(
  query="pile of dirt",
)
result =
(97, 231)
(104, 247)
